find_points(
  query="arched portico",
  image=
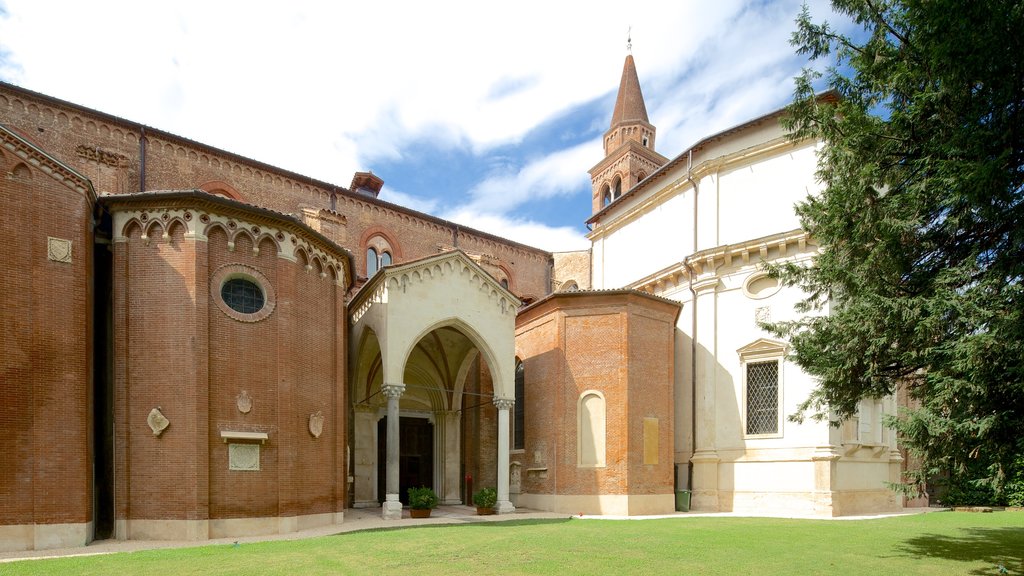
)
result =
(420, 332)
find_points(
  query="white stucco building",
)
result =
(696, 229)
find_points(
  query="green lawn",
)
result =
(936, 543)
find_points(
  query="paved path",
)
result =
(365, 519)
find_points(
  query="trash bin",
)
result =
(682, 500)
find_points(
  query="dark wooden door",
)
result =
(415, 456)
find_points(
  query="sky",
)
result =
(487, 114)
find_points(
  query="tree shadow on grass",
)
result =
(994, 546)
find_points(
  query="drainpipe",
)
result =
(693, 329)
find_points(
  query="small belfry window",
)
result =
(242, 295)
(519, 415)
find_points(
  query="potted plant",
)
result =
(485, 499)
(421, 501)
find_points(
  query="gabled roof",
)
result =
(397, 270)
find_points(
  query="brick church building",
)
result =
(199, 345)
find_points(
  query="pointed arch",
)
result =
(220, 188)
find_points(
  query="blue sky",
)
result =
(483, 113)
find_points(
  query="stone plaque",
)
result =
(316, 424)
(243, 456)
(59, 250)
(650, 440)
(157, 421)
(244, 402)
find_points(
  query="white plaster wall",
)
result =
(756, 199)
(459, 295)
(737, 328)
(660, 238)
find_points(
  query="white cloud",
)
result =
(556, 174)
(326, 89)
(531, 233)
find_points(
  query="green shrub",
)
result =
(422, 498)
(486, 498)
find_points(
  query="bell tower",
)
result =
(629, 154)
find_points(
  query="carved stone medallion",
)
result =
(316, 424)
(157, 422)
(244, 402)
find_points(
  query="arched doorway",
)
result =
(433, 372)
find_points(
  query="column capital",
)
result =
(504, 403)
(393, 390)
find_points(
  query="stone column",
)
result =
(705, 457)
(504, 505)
(364, 460)
(450, 427)
(392, 507)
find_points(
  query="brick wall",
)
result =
(620, 345)
(45, 348)
(181, 352)
(108, 151)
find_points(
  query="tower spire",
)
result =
(629, 141)
(629, 105)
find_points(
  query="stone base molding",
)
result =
(197, 530)
(16, 537)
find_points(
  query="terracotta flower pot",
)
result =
(419, 512)
(484, 511)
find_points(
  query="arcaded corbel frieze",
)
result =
(401, 278)
(198, 224)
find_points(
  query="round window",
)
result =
(242, 295)
(242, 292)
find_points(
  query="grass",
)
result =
(936, 543)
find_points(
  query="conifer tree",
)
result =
(918, 284)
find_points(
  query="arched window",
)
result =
(518, 417)
(606, 196)
(504, 283)
(570, 286)
(385, 259)
(616, 188)
(371, 262)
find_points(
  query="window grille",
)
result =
(763, 398)
(242, 295)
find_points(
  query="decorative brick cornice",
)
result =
(39, 159)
